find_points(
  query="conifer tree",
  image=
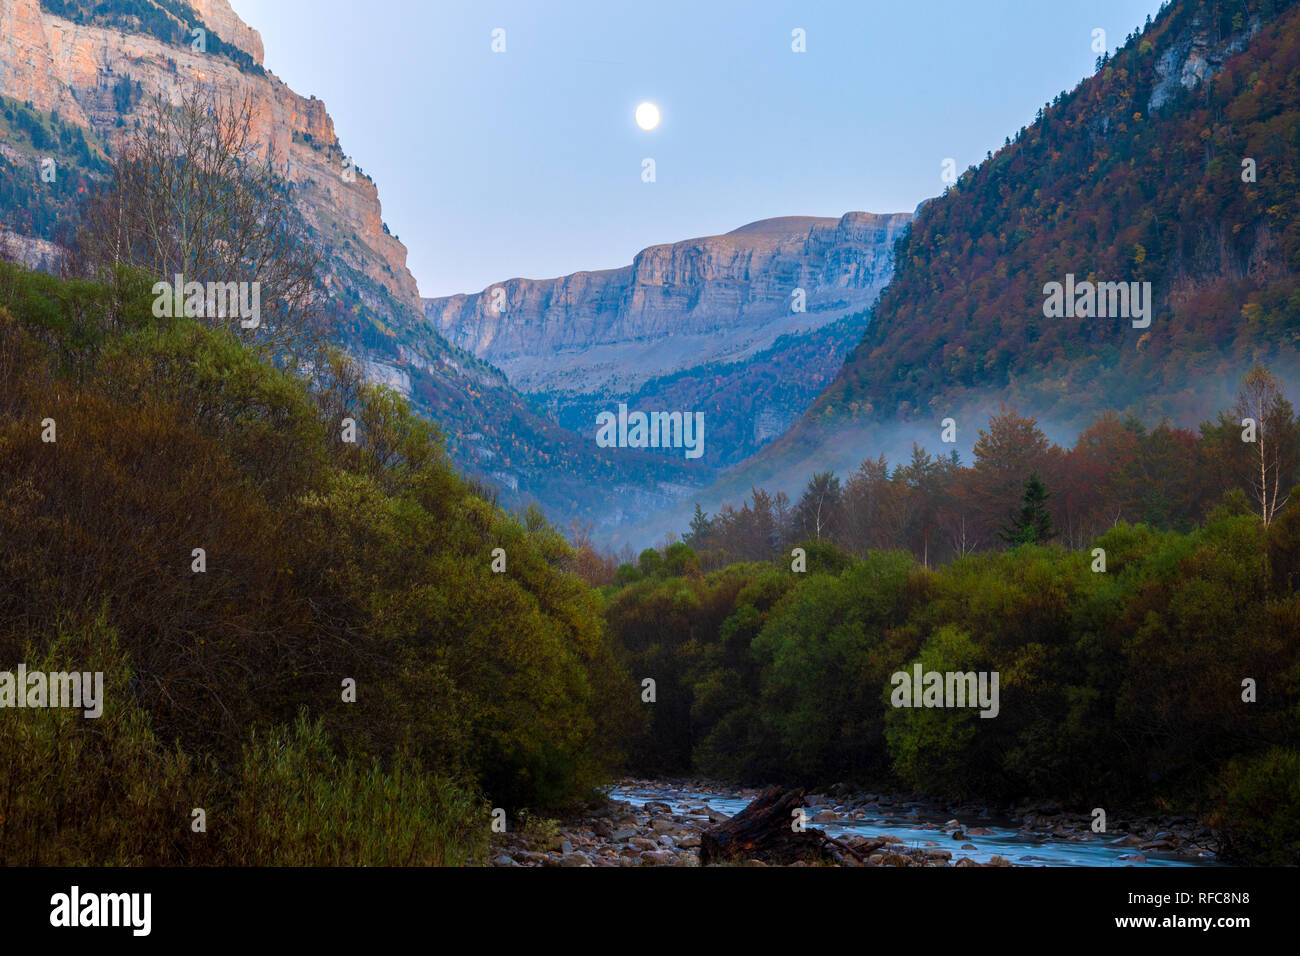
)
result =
(1033, 524)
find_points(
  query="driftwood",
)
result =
(765, 831)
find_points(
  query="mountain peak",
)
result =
(221, 17)
(782, 225)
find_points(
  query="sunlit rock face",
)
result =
(73, 69)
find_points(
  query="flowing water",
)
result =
(907, 823)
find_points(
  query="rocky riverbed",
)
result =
(658, 823)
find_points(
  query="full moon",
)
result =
(647, 116)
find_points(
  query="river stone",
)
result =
(576, 859)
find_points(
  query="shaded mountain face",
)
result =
(1176, 165)
(745, 327)
(73, 74)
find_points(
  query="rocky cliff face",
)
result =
(73, 69)
(218, 15)
(1194, 57)
(716, 299)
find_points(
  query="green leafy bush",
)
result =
(1260, 817)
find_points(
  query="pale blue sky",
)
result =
(528, 162)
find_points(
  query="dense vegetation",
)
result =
(36, 201)
(325, 561)
(1117, 688)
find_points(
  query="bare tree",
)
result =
(193, 194)
(960, 531)
(820, 510)
(1261, 400)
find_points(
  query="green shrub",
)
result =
(1259, 822)
(94, 791)
(299, 804)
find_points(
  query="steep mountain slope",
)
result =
(746, 403)
(73, 74)
(1176, 164)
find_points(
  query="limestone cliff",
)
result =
(218, 15)
(75, 69)
(719, 298)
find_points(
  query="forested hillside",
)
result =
(1176, 164)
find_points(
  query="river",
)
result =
(921, 825)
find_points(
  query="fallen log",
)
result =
(765, 830)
